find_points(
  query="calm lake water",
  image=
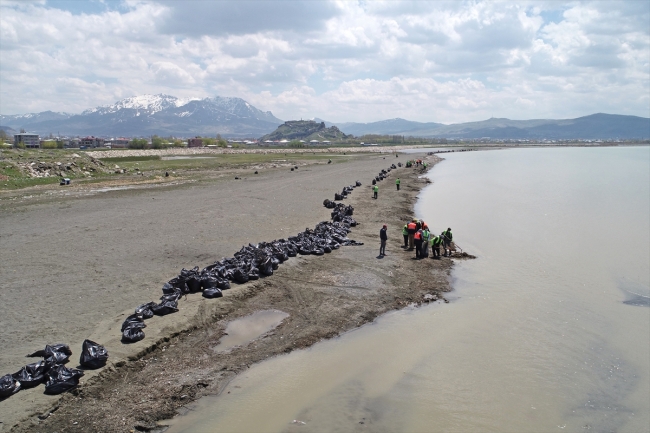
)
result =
(548, 330)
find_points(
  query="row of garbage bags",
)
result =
(250, 263)
(346, 190)
(51, 369)
(383, 174)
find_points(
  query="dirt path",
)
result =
(121, 248)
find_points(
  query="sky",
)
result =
(341, 61)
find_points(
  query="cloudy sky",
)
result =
(340, 60)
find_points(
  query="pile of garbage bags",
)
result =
(51, 369)
(250, 263)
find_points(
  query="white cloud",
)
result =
(344, 61)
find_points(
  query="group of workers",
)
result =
(416, 162)
(418, 237)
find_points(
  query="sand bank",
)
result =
(79, 266)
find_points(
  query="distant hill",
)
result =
(595, 126)
(154, 114)
(306, 130)
(387, 127)
(8, 130)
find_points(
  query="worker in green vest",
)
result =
(447, 237)
(436, 241)
(375, 189)
(405, 233)
(397, 182)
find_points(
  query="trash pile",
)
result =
(383, 174)
(250, 263)
(51, 369)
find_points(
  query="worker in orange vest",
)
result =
(410, 227)
(417, 237)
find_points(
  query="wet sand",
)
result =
(77, 266)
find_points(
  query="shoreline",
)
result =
(321, 305)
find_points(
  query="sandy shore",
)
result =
(79, 265)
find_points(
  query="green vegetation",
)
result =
(138, 143)
(296, 143)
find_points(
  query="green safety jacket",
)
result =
(436, 241)
(425, 235)
(405, 230)
(375, 188)
(448, 235)
(397, 182)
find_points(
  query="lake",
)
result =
(547, 330)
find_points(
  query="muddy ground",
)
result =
(83, 263)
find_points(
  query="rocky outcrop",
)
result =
(305, 130)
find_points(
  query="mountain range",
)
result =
(166, 115)
(595, 126)
(146, 115)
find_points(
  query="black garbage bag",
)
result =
(54, 353)
(254, 274)
(144, 310)
(209, 282)
(133, 321)
(223, 284)
(61, 379)
(266, 268)
(374, 181)
(8, 386)
(31, 375)
(212, 292)
(165, 307)
(174, 296)
(93, 355)
(132, 334)
(239, 276)
(194, 284)
(169, 287)
(358, 183)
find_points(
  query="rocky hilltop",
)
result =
(306, 130)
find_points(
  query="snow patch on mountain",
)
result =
(150, 104)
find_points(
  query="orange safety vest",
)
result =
(418, 235)
(411, 226)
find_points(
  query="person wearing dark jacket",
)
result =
(383, 237)
(447, 238)
(417, 238)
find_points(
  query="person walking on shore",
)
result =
(375, 190)
(397, 182)
(411, 230)
(447, 238)
(383, 237)
(417, 237)
(436, 241)
(405, 233)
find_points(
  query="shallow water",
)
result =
(547, 331)
(245, 329)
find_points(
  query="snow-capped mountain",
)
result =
(18, 121)
(155, 114)
(149, 104)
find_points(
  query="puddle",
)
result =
(246, 329)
